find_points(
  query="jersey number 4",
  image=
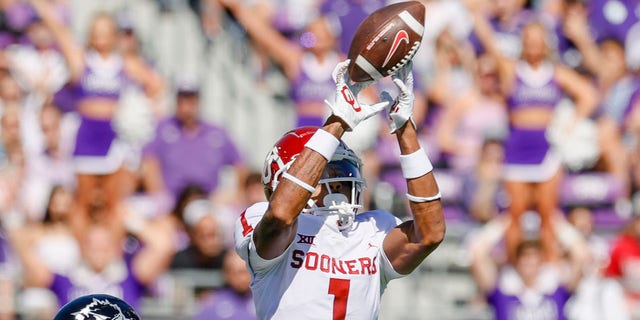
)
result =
(339, 288)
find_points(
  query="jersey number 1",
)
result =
(339, 288)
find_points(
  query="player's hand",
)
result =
(400, 109)
(346, 105)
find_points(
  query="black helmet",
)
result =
(97, 307)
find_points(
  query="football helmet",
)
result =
(97, 307)
(345, 168)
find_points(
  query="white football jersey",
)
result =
(324, 273)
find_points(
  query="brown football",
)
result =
(386, 40)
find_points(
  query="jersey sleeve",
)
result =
(243, 238)
(244, 227)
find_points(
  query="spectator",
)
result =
(50, 165)
(209, 147)
(12, 164)
(484, 194)
(346, 16)
(234, 300)
(7, 283)
(528, 288)
(507, 19)
(104, 267)
(454, 65)
(474, 117)
(16, 17)
(252, 193)
(613, 19)
(596, 297)
(533, 86)
(253, 189)
(307, 64)
(37, 64)
(618, 86)
(98, 76)
(53, 240)
(139, 110)
(624, 264)
(206, 248)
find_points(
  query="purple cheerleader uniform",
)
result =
(96, 149)
(528, 156)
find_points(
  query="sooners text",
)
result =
(324, 263)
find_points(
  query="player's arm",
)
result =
(410, 243)
(276, 230)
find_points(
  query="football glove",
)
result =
(400, 109)
(346, 105)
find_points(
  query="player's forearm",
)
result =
(429, 223)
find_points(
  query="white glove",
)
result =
(346, 105)
(401, 109)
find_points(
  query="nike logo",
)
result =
(400, 36)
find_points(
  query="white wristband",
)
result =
(323, 143)
(299, 182)
(413, 198)
(415, 165)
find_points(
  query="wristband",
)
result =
(413, 198)
(323, 143)
(299, 182)
(415, 165)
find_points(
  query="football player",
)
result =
(310, 250)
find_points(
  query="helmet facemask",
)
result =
(345, 173)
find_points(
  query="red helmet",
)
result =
(345, 166)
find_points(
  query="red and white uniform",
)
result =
(324, 273)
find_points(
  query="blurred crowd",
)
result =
(133, 133)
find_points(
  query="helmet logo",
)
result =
(100, 310)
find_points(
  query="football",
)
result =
(386, 40)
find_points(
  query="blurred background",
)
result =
(133, 133)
